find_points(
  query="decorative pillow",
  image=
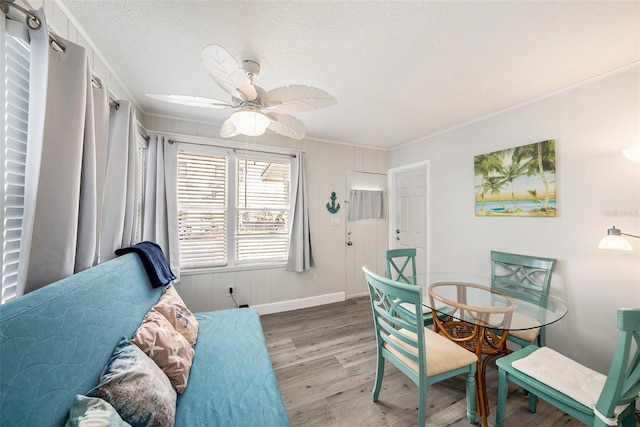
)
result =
(173, 308)
(92, 412)
(134, 385)
(167, 347)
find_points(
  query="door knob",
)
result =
(398, 231)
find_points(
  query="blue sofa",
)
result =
(55, 341)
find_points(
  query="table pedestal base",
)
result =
(481, 341)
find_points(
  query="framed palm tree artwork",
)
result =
(519, 181)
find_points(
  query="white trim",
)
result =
(363, 294)
(296, 304)
(392, 174)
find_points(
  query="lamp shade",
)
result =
(250, 122)
(617, 243)
(633, 154)
(614, 240)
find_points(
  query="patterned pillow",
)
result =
(134, 385)
(91, 412)
(167, 347)
(173, 308)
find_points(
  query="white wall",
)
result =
(337, 267)
(596, 188)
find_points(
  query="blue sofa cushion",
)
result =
(232, 382)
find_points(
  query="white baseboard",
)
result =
(295, 304)
(364, 294)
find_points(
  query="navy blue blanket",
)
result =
(153, 260)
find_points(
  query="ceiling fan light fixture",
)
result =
(250, 122)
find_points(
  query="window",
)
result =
(262, 209)
(233, 209)
(15, 99)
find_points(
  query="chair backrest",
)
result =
(623, 381)
(397, 328)
(522, 276)
(397, 262)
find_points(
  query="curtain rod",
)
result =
(97, 83)
(236, 150)
(33, 22)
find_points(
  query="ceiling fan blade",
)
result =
(228, 129)
(227, 72)
(296, 99)
(192, 101)
(286, 125)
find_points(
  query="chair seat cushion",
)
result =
(442, 354)
(522, 321)
(518, 322)
(565, 375)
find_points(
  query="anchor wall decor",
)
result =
(333, 208)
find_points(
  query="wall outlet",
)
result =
(230, 290)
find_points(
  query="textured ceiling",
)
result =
(400, 70)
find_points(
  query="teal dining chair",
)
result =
(401, 267)
(421, 354)
(527, 277)
(586, 395)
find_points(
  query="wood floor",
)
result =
(324, 359)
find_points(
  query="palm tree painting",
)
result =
(519, 181)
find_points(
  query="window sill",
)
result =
(229, 269)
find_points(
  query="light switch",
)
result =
(335, 220)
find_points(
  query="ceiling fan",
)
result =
(256, 109)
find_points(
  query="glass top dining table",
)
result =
(469, 312)
(470, 299)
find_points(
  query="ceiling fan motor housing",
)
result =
(252, 68)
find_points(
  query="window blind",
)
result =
(202, 209)
(16, 108)
(262, 215)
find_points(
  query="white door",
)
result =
(364, 239)
(409, 224)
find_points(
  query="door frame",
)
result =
(392, 177)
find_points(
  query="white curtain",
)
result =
(120, 195)
(160, 215)
(365, 204)
(60, 214)
(300, 255)
(101, 117)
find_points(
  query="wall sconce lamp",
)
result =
(614, 240)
